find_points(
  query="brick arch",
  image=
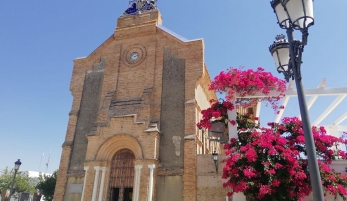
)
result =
(116, 143)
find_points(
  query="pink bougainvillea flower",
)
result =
(322, 129)
(269, 163)
(284, 173)
(216, 114)
(233, 122)
(260, 69)
(239, 82)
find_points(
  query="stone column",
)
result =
(334, 131)
(96, 179)
(137, 182)
(102, 183)
(86, 168)
(150, 182)
(233, 134)
(232, 116)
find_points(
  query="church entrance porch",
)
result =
(122, 176)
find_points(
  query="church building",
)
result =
(132, 132)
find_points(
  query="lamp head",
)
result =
(280, 52)
(282, 16)
(17, 164)
(215, 156)
(300, 13)
(296, 14)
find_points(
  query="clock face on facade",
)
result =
(134, 56)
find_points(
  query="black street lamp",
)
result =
(297, 15)
(215, 159)
(16, 168)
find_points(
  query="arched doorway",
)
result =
(122, 176)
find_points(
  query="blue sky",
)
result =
(39, 40)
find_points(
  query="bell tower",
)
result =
(132, 129)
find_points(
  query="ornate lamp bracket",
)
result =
(288, 74)
(298, 48)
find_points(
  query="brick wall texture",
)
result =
(136, 91)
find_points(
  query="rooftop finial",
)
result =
(139, 6)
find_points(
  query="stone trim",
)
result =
(118, 142)
(190, 137)
(67, 144)
(192, 101)
(74, 112)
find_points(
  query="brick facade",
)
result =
(141, 90)
(209, 181)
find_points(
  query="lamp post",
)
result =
(16, 168)
(215, 159)
(297, 15)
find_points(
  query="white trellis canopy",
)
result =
(333, 129)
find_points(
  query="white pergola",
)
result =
(333, 129)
